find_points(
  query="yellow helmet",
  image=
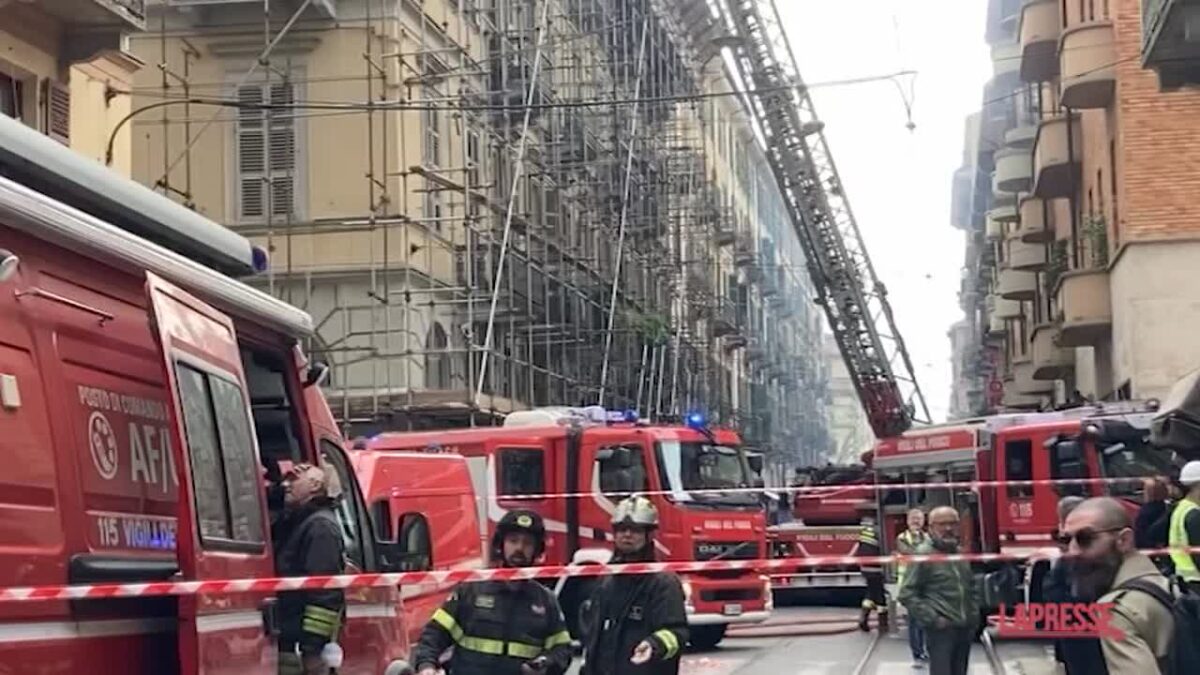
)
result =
(635, 510)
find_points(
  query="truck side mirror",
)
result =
(624, 457)
(756, 463)
(317, 374)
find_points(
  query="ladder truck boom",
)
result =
(854, 299)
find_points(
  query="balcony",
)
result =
(1039, 40)
(1026, 257)
(1003, 198)
(724, 321)
(1088, 55)
(1006, 59)
(91, 14)
(1169, 43)
(1013, 399)
(1017, 285)
(724, 234)
(1004, 308)
(1085, 307)
(1056, 157)
(1050, 360)
(1024, 381)
(1033, 222)
(1004, 214)
(1014, 170)
(961, 191)
(1023, 135)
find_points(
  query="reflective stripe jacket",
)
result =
(494, 627)
(309, 543)
(906, 544)
(627, 609)
(868, 547)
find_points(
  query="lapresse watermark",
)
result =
(1059, 620)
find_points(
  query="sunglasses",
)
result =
(1085, 537)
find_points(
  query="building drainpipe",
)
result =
(1076, 260)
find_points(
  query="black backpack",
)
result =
(1183, 658)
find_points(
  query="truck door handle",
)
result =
(270, 617)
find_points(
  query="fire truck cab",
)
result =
(1099, 441)
(573, 465)
(144, 397)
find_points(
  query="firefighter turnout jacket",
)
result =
(868, 547)
(495, 627)
(627, 609)
(309, 544)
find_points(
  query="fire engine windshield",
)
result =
(688, 467)
(1132, 458)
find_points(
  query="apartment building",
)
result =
(457, 246)
(1088, 247)
(66, 70)
(851, 434)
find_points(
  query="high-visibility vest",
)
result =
(908, 537)
(1178, 537)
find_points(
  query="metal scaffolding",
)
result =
(563, 206)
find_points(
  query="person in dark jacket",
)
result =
(1079, 655)
(308, 542)
(875, 598)
(501, 627)
(942, 597)
(637, 623)
(1150, 527)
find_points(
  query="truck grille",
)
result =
(726, 550)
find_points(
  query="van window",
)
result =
(617, 481)
(415, 542)
(1018, 465)
(381, 520)
(222, 457)
(347, 507)
(522, 472)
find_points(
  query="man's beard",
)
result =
(517, 559)
(946, 544)
(1092, 578)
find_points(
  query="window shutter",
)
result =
(261, 148)
(56, 102)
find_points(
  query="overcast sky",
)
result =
(898, 182)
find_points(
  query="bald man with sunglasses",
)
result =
(1104, 562)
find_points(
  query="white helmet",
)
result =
(1191, 473)
(635, 511)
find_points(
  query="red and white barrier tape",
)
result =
(825, 489)
(381, 580)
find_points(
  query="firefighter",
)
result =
(637, 624)
(308, 542)
(501, 627)
(875, 598)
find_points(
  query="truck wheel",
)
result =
(706, 637)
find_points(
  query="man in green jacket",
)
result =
(941, 597)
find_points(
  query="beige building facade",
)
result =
(457, 247)
(66, 70)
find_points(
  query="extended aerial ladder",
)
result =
(854, 299)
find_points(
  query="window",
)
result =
(1067, 462)
(415, 542)
(522, 472)
(12, 96)
(266, 148)
(223, 461)
(381, 520)
(347, 508)
(616, 481)
(1018, 465)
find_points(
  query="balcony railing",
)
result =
(1169, 45)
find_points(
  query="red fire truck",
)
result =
(143, 396)
(539, 455)
(1095, 441)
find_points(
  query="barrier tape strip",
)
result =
(875, 487)
(382, 580)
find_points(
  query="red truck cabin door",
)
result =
(223, 526)
(1025, 511)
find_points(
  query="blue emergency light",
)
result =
(695, 420)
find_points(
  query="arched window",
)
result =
(437, 361)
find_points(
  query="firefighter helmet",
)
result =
(638, 511)
(521, 520)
